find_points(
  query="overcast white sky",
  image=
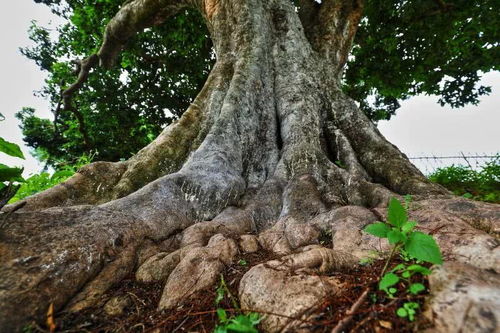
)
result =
(421, 126)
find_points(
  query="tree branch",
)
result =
(331, 27)
(134, 16)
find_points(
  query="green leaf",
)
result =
(10, 148)
(398, 267)
(243, 324)
(402, 312)
(388, 280)
(378, 229)
(10, 174)
(219, 294)
(395, 236)
(419, 269)
(408, 226)
(221, 313)
(396, 213)
(406, 274)
(220, 329)
(423, 247)
(416, 288)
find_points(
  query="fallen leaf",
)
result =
(385, 324)
(50, 319)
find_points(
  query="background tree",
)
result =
(401, 49)
(253, 158)
(118, 111)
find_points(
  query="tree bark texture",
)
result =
(270, 150)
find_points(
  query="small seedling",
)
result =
(242, 262)
(242, 323)
(413, 246)
(408, 310)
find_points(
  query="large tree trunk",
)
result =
(271, 147)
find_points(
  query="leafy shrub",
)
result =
(10, 177)
(483, 185)
(42, 181)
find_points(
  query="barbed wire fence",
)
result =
(429, 164)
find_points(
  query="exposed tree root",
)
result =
(252, 163)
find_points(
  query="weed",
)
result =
(10, 177)
(483, 185)
(242, 323)
(42, 181)
(414, 248)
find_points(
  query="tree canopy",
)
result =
(402, 49)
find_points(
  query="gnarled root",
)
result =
(198, 270)
(285, 293)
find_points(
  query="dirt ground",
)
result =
(376, 314)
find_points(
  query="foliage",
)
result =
(123, 109)
(408, 310)
(42, 181)
(483, 185)
(403, 48)
(9, 176)
(242, 323)
(406, 48)
(415, 247)
(400, 233)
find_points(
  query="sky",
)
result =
(420, 128)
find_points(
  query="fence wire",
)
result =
(429, 164)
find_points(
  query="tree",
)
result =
(167, 65)
(158, 75)
(271, 149)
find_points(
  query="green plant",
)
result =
(42, 181)
(413, 246)
(483, 184)
(10, 177)
(408, 310)
(242, 323)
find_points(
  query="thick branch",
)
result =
(331, 27)
(133, 17)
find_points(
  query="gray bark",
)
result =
(254, 153)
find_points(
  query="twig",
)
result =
(350, 314)
(388, 260)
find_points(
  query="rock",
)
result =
(464, 299)
(249, 243)
(267, 288)
(117, 305)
